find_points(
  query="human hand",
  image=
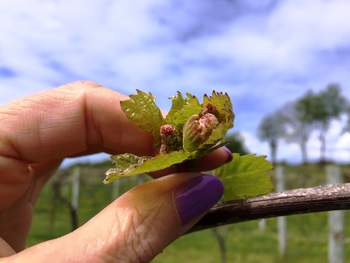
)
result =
(38, 132)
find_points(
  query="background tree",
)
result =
(296, 128)
(235, 142)
(271, 129)
(320, 109)
(332, 105)
(347, 125)
(307, 107)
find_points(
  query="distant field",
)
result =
(307, 234)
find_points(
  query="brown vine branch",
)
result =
(297, 201)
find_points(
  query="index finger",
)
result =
(77, 118)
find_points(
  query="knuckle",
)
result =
(81, 87)
(84, 84)
(79, 90)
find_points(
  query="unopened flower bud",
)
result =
(170, 139)
(197, 130)
(167, 129)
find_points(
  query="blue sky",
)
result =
(263, 52)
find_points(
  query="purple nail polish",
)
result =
(229, 154)
(197, 196)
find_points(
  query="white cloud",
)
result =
(311, 25)
(82, 37)
(286, 41)
(266, 57)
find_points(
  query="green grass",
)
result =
(307, 234)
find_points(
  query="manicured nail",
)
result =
(229, 154)
(197, 196)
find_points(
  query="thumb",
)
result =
(138, 225)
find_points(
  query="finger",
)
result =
(137, 226)
(208, 162)
(75, 118)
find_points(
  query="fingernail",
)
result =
(197, 196)
(229, 154)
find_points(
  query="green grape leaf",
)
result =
(143, 111)
(124, 163)
(177, 103)
(245, 176)
(182, 109)
(223, 105)
(129, 164)
(189, 131)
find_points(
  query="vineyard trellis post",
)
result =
(335, 221)
(220, 237)
(262, 225)
(281, 221)
(75, 196)
(75, 188)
